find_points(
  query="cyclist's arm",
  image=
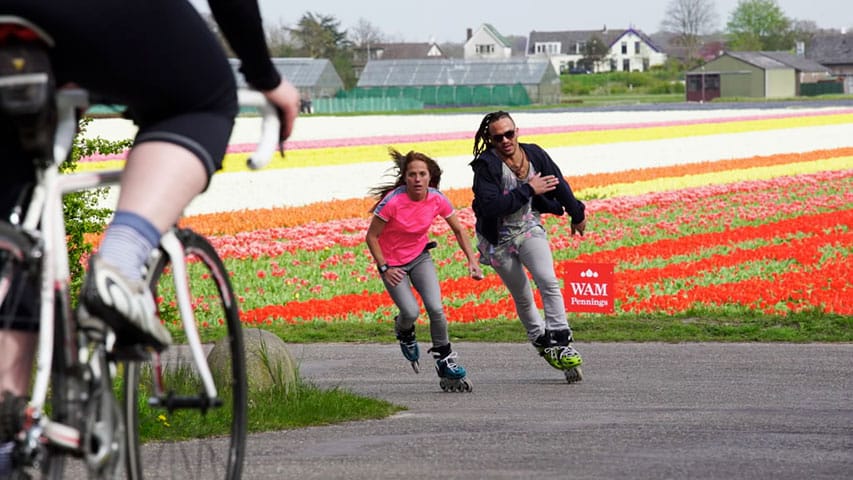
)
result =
(241, 24)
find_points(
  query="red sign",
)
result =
(588, 287)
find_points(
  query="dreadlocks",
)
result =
(483, 139)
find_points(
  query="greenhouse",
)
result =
(314, 78)
(435, 82)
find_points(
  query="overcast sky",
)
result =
(447, 20)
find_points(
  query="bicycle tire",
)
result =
(179, 457)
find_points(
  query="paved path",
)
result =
(644, 411)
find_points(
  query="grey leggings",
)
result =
(422, 275)
(534, 253)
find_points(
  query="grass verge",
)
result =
(296, 406)
(802, 327)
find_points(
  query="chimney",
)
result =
(469, 34)
(801, 49)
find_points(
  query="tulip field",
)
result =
(762, 235)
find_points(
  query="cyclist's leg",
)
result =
(166, 65)
(18, 316)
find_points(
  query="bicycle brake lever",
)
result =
(282, 124)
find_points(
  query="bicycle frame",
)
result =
(44, 220)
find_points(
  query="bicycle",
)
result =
(86, 400)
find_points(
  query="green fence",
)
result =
(365, 104)
(447, 95)
(821, 88)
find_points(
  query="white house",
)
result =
(627, 50)
(487, 43)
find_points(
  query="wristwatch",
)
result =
(383, 268)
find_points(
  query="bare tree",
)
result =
(364, 36)
(688, 20)
(365, 33)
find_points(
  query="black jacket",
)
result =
(491, 204)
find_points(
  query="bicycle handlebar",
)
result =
(270, 127)
(69, 101)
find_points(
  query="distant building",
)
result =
(487, 43)
(511, 81)
(835, 51)
(394, 51)
(753, 74)
(628, 50)
(313, 77)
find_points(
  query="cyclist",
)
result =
(161, 59)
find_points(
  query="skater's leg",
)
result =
(514, 277)
(406, 302)
(425, 280)
(535, 254)
(404, 323)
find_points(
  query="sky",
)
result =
(447, 20)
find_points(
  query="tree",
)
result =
(319, 36)
(759, 25)
(279, 41)
(594, 51)
(803, 30)
(364, 36)
(688, 20)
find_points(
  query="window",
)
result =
(637, 48)
(547, 48)
(626, 65)
(482, 49)
(579, 48)
(624, 48)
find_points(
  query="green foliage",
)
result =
(702, 324)
(297, 406)
(593, 52)
(320, 36)
(759, 25)
(81, 211)
(656, 82)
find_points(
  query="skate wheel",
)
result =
(443, 384)
(466, 386)
(574, 375)
(416, 366)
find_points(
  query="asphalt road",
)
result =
(643, 411)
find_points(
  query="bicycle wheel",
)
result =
(184, 434)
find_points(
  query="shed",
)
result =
(753, 74)
(511, 81)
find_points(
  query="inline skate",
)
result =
(409, 347)
(452, 376)
(555, 347)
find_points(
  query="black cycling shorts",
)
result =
(157, 57)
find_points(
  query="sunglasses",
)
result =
(499, 137)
